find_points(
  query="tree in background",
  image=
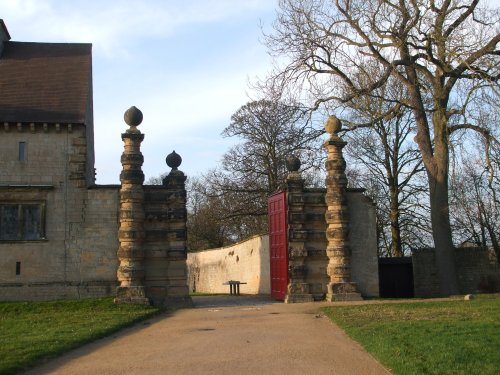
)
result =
(270, 131)
(443, 52)
(388, 163)
(229, 204)
(475, 206)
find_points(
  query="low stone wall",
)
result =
(363, 241)
(246, 262)
(476, 271)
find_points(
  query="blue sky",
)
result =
(186, 64)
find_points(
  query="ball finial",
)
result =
(333, 125)
(292, 163)
(173, 160)
(133, 116)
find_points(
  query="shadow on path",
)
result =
(228, 300)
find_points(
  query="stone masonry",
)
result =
(131, 234)
(338, 250)
(298, 288)
(152, 252)
(74, 257)
(165, 242)
(478, 271)
(78, 257)
(324, 235)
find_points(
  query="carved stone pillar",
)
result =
(340, 287)
(298, 288)
(131, 232)
(175, 183)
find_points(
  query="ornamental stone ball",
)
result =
(174, 160)
(333, 125)
(133, 116)
(292, 163)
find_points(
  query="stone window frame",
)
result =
(21, 235)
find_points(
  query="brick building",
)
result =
(58, 229)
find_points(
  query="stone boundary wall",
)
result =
(363, 241)
(246, 261)
(476, 271)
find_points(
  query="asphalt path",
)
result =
(224, 335)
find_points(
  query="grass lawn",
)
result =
(30, 331)
(449, 337)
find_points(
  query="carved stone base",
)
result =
(343, 292)
(298, 292)
(299, 298)
(131, 294)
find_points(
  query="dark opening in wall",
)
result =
(22, 151)
(396, 277)
(18, 268)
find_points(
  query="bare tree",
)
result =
(270, 131)
(413, 218)
(208, 223)
(443, 52)
(475, 208)
(384, 153)
(229, 203)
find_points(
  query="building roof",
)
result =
(45, 82)
(4, 33)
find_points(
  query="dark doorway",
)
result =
(395, 277)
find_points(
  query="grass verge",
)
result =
(32, 331)
(449, 337)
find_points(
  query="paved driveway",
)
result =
(224, 335)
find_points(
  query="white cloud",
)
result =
(184, 63)
(114, 26)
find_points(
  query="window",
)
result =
(22, 151)
(22, 222)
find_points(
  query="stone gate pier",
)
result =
(152, 252)
(331, 234)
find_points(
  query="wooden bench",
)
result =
(234, 287)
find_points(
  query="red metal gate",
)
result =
(278, 245)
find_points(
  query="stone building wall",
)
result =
(476, 271)
(77, 255)
(247, 261)
(92, 244)
(81, 266)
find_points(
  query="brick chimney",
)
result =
(4, 35)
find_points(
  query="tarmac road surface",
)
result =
(224, 335)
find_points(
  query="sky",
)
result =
(185, 64)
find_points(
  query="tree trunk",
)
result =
(436, 162)
(494, 241)
(396, 247)
(441, 232)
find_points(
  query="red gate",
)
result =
(278, 245)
